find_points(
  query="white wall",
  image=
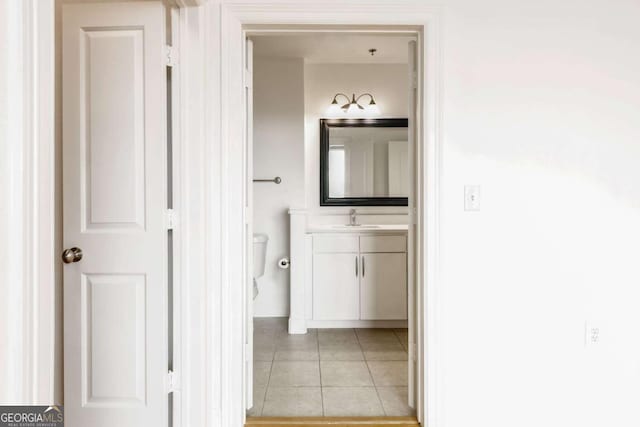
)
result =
(11, 293)
(541, 108)
(388, 83)
(278, 150)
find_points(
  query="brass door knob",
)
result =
(71, 255)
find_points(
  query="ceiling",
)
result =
(334, 48)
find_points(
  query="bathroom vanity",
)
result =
(359, 276)
(354, 276)
(344, 274)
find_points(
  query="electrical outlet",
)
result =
(591, 334)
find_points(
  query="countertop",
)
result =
(365, 228)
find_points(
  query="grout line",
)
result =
(371, 375)
(320, 372)
(266, 390)
(404, 345)
(397, 337)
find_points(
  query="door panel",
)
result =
(383, 286)
(115, 377)
(336, 287)
(115, 192)
(113, 139)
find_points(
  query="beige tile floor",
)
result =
(329, 372)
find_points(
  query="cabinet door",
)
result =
(335, 287)
(383, 286)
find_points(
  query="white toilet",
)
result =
(259, 255)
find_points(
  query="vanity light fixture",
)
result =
(353, 106)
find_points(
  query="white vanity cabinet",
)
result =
(383, 286)
(359, 277)
(336, 287)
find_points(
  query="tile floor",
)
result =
(329, 372)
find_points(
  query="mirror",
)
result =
(364, 162)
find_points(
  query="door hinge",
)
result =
(171, 382)
(414, 80)
(248, 79)
(246, 215)
(170, 55)
(413, 355)
(170, 219)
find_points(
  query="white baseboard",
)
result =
(297, 326)
(270, 316)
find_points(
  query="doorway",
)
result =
(348, 363)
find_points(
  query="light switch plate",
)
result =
(471, 198)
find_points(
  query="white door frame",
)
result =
(229, 143)
(28, 272)
(414, 152)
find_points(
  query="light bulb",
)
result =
(372, 109)
(334, 109)
(354, 108)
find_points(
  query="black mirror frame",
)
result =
(325, 200)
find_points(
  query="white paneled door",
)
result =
(115, 199)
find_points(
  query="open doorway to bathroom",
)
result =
(333, 310)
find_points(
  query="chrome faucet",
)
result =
(352, 217)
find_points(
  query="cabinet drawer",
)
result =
(383, 244)
(335, 243)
